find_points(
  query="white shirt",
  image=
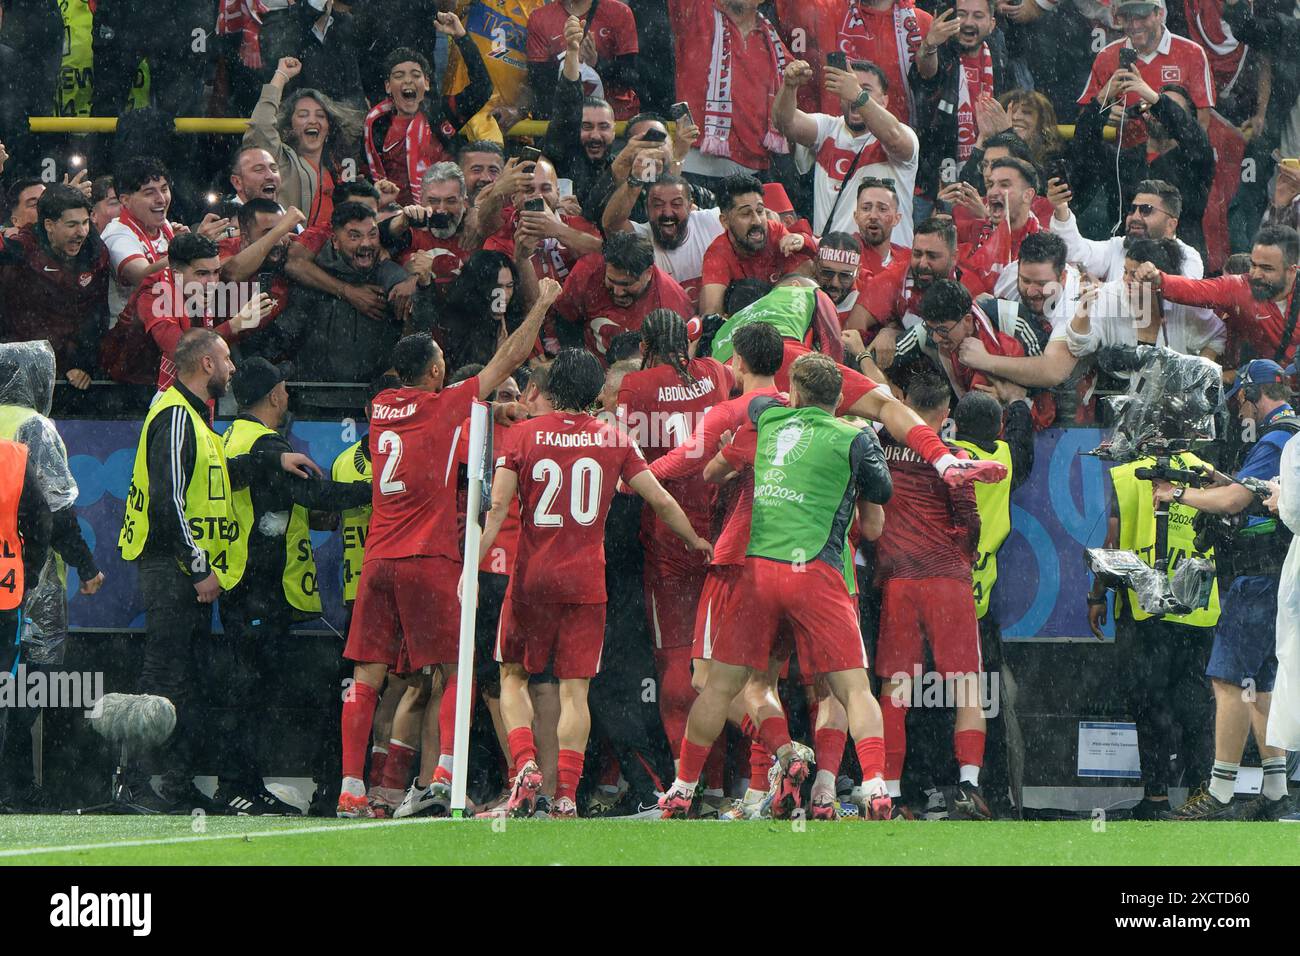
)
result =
(832, 157)
(1060, 309)
(1185, 330)
(686, 262)
(1104, 258)
(124, 245)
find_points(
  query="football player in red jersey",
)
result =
(564, 466)
(407, 597)
(661, 405)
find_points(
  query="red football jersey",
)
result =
(612, 28)
(733, 416)
(569, 465)
(661, 412)
(723, 265)
(585, 300)
(855, 384)
(413, 439)
(551, 258)
(449, 256)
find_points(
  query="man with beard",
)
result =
(1260, 306)
(680, 232)
(839, 259)
(1012, 186)
(440, 227)
(612, 292)
(255, 174)
(581, 133)
(188, 298)
(954, 80)
(261, 249)
(179, 524)
(481, 162)
(54, 283)
(876, 214)
(328, 338)
(1153, 214)
(863, 140)
(892, 302)
(752, 247)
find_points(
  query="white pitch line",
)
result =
(207, 838)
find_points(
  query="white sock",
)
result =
(713, 793)
(753, 796)
(687, 788)
(825, 780)
(877, 784)
(1274, 777)
(1223, 781)
(355, 786)
(895, 788)
(969, 773)
(445, 762)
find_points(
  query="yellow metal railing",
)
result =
(235, 126)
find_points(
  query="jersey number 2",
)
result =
(584, 492)
(390, 444)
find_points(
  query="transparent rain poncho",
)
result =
(1284, 714)
(26, 386)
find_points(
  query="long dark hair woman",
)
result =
(483, 306)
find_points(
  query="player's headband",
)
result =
(843, 257)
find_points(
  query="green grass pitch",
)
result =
(248, 841)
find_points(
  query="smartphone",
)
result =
(837, 60)
(1057, 169)
(536, 204)
(1127, 58)
(530, 154)
(264, 280)
(654, 136)
(680, 111)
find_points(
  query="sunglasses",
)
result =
(1144, 208)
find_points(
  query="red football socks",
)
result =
(715, 765)
(775, 733)
(378, 757)
(895, 720)
(760, 762)
(447, 716)
(522, 747)
(829, 745)
(872, 759)
(691, 761)
(397, 768)
(967, 745)
(568, 773)
(923, 440)
(358, 721)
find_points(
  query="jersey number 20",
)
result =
(584, 491)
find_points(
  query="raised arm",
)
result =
(515, 350)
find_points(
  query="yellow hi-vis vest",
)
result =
(209, 515)
(1137, 533)
(351, 465)
(993, 501)
(299, 579)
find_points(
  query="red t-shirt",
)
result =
(279, 291)
(551, 258)
(314, 236)
(873, 263)
(862, 34)
(1262, 324)
(586, 301)
(569, 466)
(890, 294)
(413, 439)
(1176, 60)
(661, 412)
(501, 558)
(753, 77)
(449, 256)
(931, 530)
(612, 29)
(724, 265)
(855, 383)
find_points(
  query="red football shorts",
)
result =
(408, 603)
(568, 636)
(939, 610)
(711, 607)
(811, 598)
(670, 605)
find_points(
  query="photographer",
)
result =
(1252, 546)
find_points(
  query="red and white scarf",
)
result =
(148, 251)
(243, 17)
(997, 247)
(967, 94)
(718, 106)
(419, 141)
(906, 37)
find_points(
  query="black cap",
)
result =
(255, 378)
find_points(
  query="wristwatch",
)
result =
(1179, 492)
(862, 99)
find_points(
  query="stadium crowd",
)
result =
(748, 233)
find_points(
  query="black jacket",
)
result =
(1018, 433)
(1272, 28)
(563, 146)
(935, 114)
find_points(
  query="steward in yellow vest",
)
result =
(180, 525)
(24, 544)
